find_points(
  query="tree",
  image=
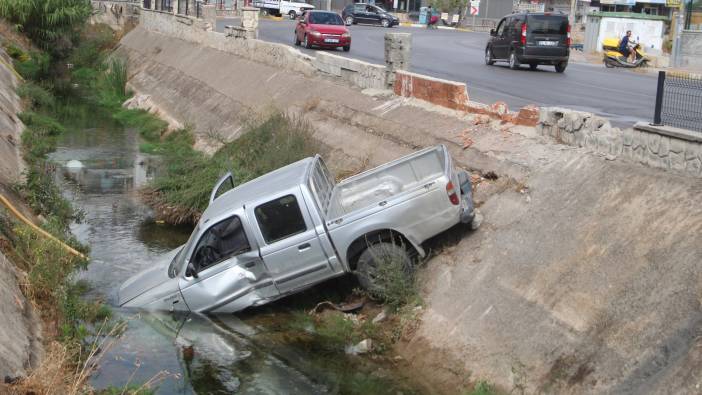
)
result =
(51, 24)
(454, 6)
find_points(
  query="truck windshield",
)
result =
(547, 24)
(325, 18)
(177, 262)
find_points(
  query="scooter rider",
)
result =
(630, 53)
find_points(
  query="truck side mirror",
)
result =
(492, 32)
(190, 270)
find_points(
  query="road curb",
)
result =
(421, 25)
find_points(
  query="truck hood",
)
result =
(147, 279)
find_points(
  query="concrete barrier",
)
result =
(449, 94)
(356, 72)
(660, 147)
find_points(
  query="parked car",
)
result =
(282, 7)
(369, 14)
(530, 38)
(323, 29)
(295, 227)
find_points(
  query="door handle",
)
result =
(250, 264)
(304, 247)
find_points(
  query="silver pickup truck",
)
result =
(295, 227)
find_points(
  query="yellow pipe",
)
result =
(41, 231)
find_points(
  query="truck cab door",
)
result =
(225, 272)
(290, 247)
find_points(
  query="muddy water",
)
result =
(100, 169)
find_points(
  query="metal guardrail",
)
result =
(679, 101)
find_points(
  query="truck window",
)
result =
(220, 242)
(280, 218)
(547, 24)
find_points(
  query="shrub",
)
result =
(36, 95)
(188, 175)
(49, 23)
(35, 66)
(483, 388)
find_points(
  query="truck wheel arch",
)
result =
(360, 244)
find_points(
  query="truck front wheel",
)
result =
(292, 14)
(382, 266)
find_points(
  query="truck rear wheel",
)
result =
(382, 263)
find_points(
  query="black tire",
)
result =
(347, 48)
(292, 14)
(376, 255)
(533, 66)
(306, 43)
(488, 57)
(349, 20)
(384, 23)
(561, 66)
(513, 61)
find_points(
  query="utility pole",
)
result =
(680, 21)
(573, 10)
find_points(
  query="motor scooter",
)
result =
(614, 58)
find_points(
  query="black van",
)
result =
(532, 38)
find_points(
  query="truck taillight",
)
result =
(451, 192)
(524, 27)
(568, 38)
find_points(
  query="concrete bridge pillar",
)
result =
(209, 15)
(398, 47)
(249, 21)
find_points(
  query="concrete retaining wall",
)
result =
(116, 14)
(355, 72)
(663, 148)
(197, 31)
(358, 73)
(20, 328)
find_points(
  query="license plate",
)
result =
(331, 40)
(548, 43)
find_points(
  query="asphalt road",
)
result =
(624, 96)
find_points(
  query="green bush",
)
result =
(34, 67)
(189, 175)
(150, 127)
(36, 95)
(16, 53)
(483, 388)
(51, 24)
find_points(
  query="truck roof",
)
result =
(284, 178)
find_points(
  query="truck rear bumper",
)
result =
(467, 209)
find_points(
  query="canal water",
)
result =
(100, 169)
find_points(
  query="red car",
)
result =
(323, 29)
